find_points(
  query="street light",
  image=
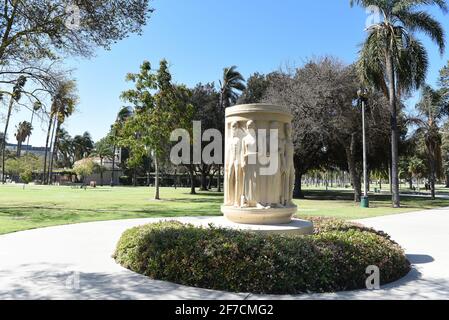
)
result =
(363, 97)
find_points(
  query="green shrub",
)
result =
(236, 261)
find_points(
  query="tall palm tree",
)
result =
(36, 108)
(65, 107)
(432, 108)
(231, 83)
(63, 103)
(394, 61)
(24, 130)
(14, 97)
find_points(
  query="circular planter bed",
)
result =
(334, 258)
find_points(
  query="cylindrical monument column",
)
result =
(259, 170)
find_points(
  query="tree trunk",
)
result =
(192, 180)
(5, 132)
(28, 138)
(447, 180)
(219, 179)
(432, 178)
(156, 179)
(52, 150)
(50, 122)
(394, 132)
(55, 149)
(211, 178)
(297, 190)
(113, 168)
(204, 181)
(19, 148)
(101, 171)
(355, 178)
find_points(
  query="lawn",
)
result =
(39, 206)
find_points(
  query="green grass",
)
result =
(39, 206)
(340, 204)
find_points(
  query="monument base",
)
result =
(295, 227)
(259, 216)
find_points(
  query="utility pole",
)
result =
(363, 97)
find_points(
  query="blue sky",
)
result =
(200, 37)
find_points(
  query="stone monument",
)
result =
(259, 169)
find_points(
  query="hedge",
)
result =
(335, 258)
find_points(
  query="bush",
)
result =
(328, 261)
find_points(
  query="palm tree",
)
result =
(66, 102)
(63, 104)
(24, 130)
(231, 83)
(432, 108)
(65, 148)
(36, 107)
(82, 146)
(394, 61)
(415, 168)
(15, 97)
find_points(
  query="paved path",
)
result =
(74, 262)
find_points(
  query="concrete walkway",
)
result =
(74, 262)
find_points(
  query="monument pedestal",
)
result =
(263, 216)
(294, 227)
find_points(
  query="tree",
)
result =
(37, 106)
(84, 168)
(124, 114)
(82, 146)
(24, 130)
(14, 97)
(41, 29)
(231, 83)
(23, 167)
(256, 88)
(322, 96)
(63, 106)
(394, 61)
(204, 99)
(155, 115)
(65, 156)
(432, 108)
(416, 168)
(104, 150)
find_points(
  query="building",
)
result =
(107, 174)
(37, 151)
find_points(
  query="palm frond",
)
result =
(423, 22)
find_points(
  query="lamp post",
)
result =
(363, 97)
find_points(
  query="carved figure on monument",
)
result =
(234, 167)
(250, 166)
(274, 196)
(289, 182)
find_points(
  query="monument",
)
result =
(259, 169)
